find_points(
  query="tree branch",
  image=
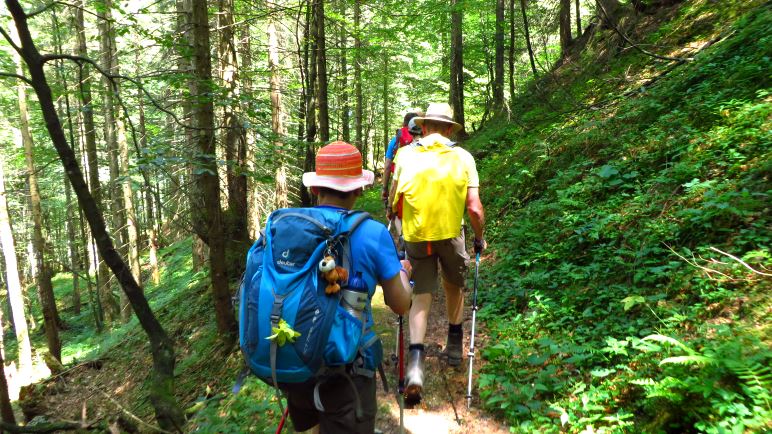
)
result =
(8, 38)
(17, 76)
(744, 264)
(611, 24)
(112, 78)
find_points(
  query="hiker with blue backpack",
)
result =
(435, 181)
(305, 307)
(403, 137)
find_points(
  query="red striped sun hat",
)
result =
(339, 167)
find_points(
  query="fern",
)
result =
(689, 360)
(756, 378)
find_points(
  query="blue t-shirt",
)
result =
(373, 252)
(392, 148)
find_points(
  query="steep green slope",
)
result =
(609, 308)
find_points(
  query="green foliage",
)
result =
(602, 220)
(249, 411)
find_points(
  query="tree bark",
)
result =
(208, 221)
(89, 135)
(345, 117)
(564, 19)
(5, 400)
(277, 112)
(523, 7)
(15, 296)
(113, 128)
(498, 84)
(234, 141)
(511, 50)
(161, 391)
(578, 19)
(358, 79)
(607, 11)
(152, 237)
(457, 64)
(321, 65)
(309, 58)
(44, 274)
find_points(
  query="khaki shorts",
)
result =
(425, 256)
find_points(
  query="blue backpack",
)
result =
(283, 287)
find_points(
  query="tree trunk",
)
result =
(277, 112)
(15, 296)
(457, 64)
(578, 19)
(498, 84)
(345, 117)
(523, 7)
(564, 19)
(358, 79)
(89, 134)
(5, 400)
(113, 127)
(310, 67)
(234, 140)
(44, 274)
(152, 238)
(511, 50)
(208, 221)
(607, 11)
(161, 391)
(321, 65)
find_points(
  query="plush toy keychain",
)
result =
(332, 274)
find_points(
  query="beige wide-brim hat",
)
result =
(439, 112)
(339, 167)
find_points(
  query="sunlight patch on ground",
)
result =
(17, 380)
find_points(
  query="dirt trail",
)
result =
(443, 408)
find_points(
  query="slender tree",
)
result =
(44, 274)
(92, 162)
(511, 50)
(321, 71)
(578, 14)
(523, 7)
(234, 141)
(13, 283)
(457, 63)
(343, 77)
(121, 204)
(498, 84)
(358, 106)
(564, 19)
(208, 221)
(277, 111)
(309, 62)
(5, 400)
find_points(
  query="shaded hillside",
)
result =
(615, 197)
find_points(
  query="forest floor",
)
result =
(443, 407)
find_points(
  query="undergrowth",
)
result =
(608, 307)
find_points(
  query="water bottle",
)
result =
(354, 296)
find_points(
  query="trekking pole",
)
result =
(471, 340)
(283, 419)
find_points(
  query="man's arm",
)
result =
(387, 162)
(474, 208)
(397, 290)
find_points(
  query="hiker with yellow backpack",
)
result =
(435, 180)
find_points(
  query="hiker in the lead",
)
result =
(436, 180)
(403, 137)
(338, 182)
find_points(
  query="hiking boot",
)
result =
(415, 374)
(454, 347)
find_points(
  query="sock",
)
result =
(417, 347)
(455, 329)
